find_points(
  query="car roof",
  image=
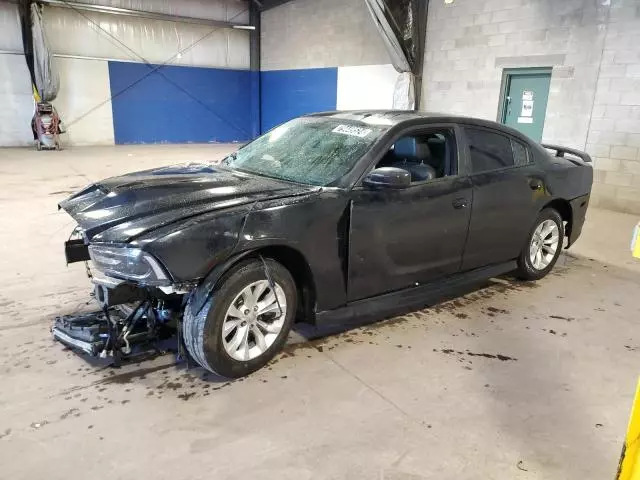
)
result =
(391, 118)
(396, 117)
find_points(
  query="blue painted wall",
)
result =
(178, 104)
(286, 94)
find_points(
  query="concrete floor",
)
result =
(407, 398)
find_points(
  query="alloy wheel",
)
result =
(254, 320)
(544, 244)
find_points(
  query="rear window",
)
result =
(520, 153)
(489, 151)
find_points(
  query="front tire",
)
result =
(246, 320)
(543, 247)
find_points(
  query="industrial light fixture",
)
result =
(244, 27)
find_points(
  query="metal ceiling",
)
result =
(144, 14)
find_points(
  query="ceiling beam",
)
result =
(144, 14)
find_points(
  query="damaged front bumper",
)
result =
(133, 312)
(115, 331)
(76, 250)
(88, 332)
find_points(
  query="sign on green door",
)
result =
(524, 101)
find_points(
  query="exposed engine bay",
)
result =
(119, 330)
(131, 319)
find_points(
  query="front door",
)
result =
(525, 100)
(400, 238)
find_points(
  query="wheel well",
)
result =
(563, 207)
(297, 265)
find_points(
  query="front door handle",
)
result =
(459, 203)
(535, 184)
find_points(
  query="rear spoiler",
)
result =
(561, 151)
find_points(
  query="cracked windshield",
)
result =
(306, 150)
(320, 239)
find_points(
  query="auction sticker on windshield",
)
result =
(352, 130)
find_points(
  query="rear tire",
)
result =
(543, 247)
(229, 336)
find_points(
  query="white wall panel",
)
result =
(209, 9)
(84, 85)
(366, 87)
(223, 48)
(238, 49)
(320, 33)
(10, 35)
(90, 34)
(16, 102)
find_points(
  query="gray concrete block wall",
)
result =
(469, 43)
(614, 134)
(594, 98)
(320, 33)
(593, 47)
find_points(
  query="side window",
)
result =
(489, 151)
(426, 156)
(520, 153)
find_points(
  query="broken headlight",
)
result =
(129, 264)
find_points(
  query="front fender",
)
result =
(191, 248)
(312, 226)
(202, 293)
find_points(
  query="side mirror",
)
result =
(387, 177)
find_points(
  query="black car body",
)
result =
(368, 240)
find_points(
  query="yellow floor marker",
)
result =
(635, 242)
(629, 467)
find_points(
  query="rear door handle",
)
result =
(535, 184)
(459, 203)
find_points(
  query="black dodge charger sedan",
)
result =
(324, 219)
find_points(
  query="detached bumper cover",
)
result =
(69, 341)
(87, 332)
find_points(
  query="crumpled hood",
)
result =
(119, 209)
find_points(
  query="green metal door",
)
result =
(524, 102)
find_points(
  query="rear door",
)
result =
(400, 238)
(508, 189)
